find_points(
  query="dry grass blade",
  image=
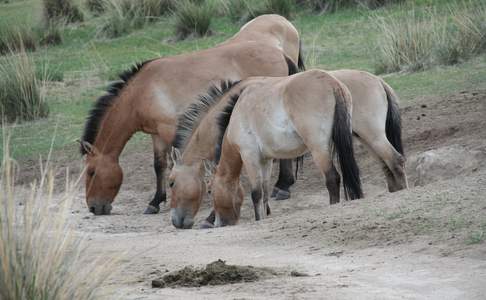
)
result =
(41, 257)
(192, 18)
(420, 40)
(22, 96)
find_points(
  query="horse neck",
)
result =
(116, 128)
(230, 164)
(201, 144)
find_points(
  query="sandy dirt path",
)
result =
(423, 243)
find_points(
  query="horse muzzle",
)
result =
(100, 209)
(181, 218)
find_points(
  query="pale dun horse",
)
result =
(283, 118)
(376, 120)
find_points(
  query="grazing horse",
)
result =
(309, 111)
(149, 98)
(151, 95)
(198, 130)
(376, 120)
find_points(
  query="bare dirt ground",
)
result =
(427, 242)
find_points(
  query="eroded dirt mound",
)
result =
(215, 273)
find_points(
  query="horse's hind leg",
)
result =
(286, 179)
(333, 181)
(394, 163)
(254, 170)
(323, 160)
(266, 174)
(160, 164)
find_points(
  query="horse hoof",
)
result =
(151, 210)
(274, 192)
(206, 225)
(282, 195)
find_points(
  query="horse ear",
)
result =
(88, 147)
(175, 156)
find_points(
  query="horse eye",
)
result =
(171, 184)
(91, 173)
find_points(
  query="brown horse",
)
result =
(275, 30)
(308, 111)
(151, 95)
(376, 120)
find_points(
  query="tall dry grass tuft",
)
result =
(464, 36)
(40, 255)
(406, 43)
(67, 10)
(193, 18)
(96, 7)
(123, 16)
(281, 7)
(420, 40)
(22, 93)
(13, 38)
(152, 9)
(335, 5)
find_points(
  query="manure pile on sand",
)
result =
(215, 273)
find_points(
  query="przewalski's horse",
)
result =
(376, 119)
(275, 30)
(309, 111)
(377, 122)
(150, 96)
(198, 131)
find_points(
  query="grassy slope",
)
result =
(342, 40)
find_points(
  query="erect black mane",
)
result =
(188, 121)
(223, 121)
(103, 103)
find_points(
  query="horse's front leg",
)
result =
(160, 164)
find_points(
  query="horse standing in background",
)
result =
(308, 111)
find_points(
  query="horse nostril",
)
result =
(92, 209)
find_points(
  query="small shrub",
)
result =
(156, 8)
(21, 92)
(55, 10)
(405, 43)
(279, 7)
(244, 10)
(95, 6)
(192, 18)
(464, 37)
(335, 5)
(418, 41)
(40, 254)
(13, 38)
(121, 17)
(51, 33)
(237, 9)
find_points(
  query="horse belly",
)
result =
(279, 139)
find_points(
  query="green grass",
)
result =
(345, 39)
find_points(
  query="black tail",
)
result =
(291, 65)
(393, 127)
(301, 58)
(342, 141)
